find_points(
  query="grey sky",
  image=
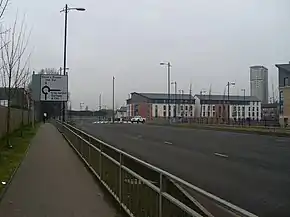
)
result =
(207, 41)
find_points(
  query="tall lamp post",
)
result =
(66, 9)
(175, 96)
(244, 90)
(168, 65)
(200, 112)
(113, 116)
(228, 85)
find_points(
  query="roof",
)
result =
(122, 109)
(165, 96)
(258, 67)
(284, 66)
(225, 97)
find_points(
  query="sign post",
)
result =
(54, 88)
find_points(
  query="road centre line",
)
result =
(221, 155)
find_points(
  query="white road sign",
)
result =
(53, 88)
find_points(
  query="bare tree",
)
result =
(14, 60)
(49, 71)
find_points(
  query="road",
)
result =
(250, 171)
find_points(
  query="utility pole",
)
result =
(168, 64)
(113, 115)
(175, 97)
(228, 102)
(100, 102)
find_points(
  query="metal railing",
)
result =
(140, 188)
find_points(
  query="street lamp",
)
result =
(66, 9)
(200, 112)
(244, 90)
(175, 96)
(168, 65)
(228, 85)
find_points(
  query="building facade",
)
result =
(155, 105)
(222, 107)
(259, 82)
(284, 92)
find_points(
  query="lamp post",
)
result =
(200, 112)
(228, 85)
(66, 9)
(113, 116)
(244, 90)
(168, 65)
(175, 96)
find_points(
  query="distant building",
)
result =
(259, 82)
(18, 97)
(270, 112)
(155, 105)
(121, 112)
(216, 106)
(284, 92)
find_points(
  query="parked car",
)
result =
(138, 119)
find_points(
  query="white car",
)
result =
(138, 119)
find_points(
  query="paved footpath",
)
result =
(53, 182)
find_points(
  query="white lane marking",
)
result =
(168, 143)
(221, 155)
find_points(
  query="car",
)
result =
(138, 119)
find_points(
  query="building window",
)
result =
(203, 114)
(213, 108)
(253, 114)
(190, 108)
(181, 107)
(164, 107)
(253, 103)
(213, 113)
(286, 81)
(257, 109)
(253, 109)
(239, 108)
(208, 114)
(243, 113)
(281, 96)
(249, 114)
(164, 114)
(191, 114)
(208, 108)
(186, 114)
(186, 107)
(243, 109)
(169, 108)
(257, 114)
(239, 114)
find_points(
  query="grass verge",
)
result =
(11, 157)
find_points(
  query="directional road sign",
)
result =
(53, 88)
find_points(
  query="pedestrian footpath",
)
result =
(53, 182)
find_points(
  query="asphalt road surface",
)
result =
(250, 171)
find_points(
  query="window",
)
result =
(213, 113)
(239, 114)
(286, 81)
(186, 114)
(208, 114)
(190, 108)
(169, 107)
(234, 108)
(156, 107)
(186, 107)
(281, 96)
(257, 114)
(203, 108)
(191, 114)
(213, 108)
(257, 109)
(208, 108)
(243, 109)
(181, 107)
(203, 114)
(253, 103)
(243, 114)
(253, 109)
(253, 114)
(239, 108)
(164, 107)
(249, 114)
(164, 114)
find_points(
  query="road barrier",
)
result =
(140, 188)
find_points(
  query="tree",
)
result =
(49, 71)
(14, 59)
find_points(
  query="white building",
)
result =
(121, 112)
(155, 105)
(259, 82)
(217, 106)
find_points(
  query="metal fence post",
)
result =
(160, 193)
(120, 177)
(100, 160)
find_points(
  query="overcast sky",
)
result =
(207, 42)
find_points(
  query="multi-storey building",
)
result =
(156, 105)
(224, 107)
(284, 92)
(259, 82)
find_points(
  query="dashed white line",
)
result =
(221, 155)
(168, 143)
